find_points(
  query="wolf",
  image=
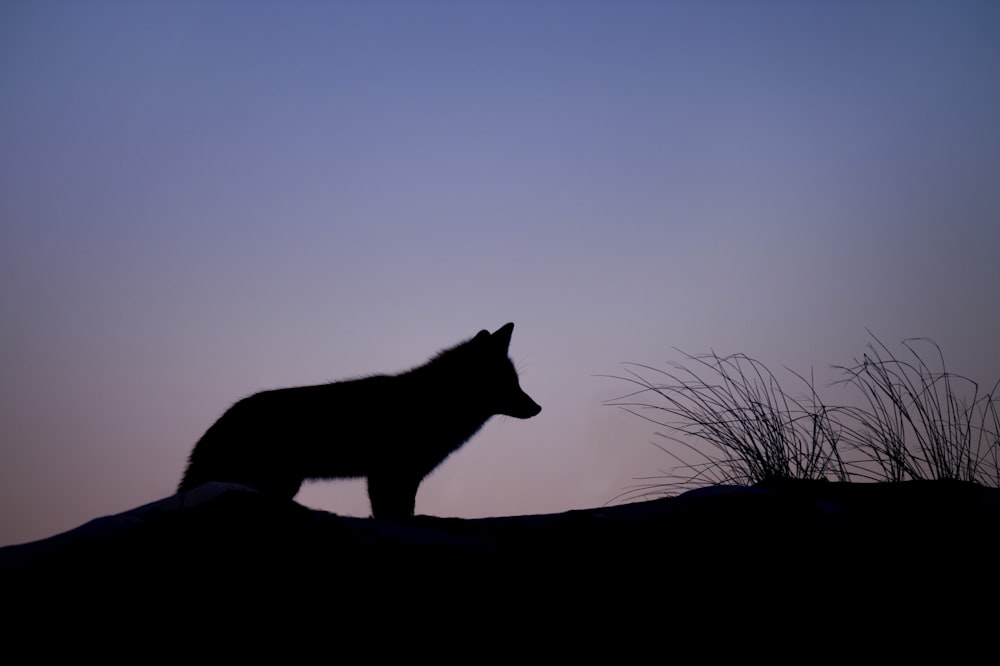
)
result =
(393, 430)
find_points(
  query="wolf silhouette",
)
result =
(392, 429)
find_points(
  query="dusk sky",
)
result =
(201, 200)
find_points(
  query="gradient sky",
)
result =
(200, 200)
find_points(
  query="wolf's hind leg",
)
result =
(392, 496)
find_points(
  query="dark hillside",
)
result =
(792, 548)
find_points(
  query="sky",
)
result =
(202, 200)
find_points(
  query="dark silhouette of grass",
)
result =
(921, 422)
(736, 424)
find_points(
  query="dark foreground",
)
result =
(790, 560)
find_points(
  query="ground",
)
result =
(790, 552)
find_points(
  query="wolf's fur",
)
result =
(392, 429)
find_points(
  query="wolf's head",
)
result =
(500, 383)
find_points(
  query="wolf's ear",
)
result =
(501, 337)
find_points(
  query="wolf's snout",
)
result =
(524, 407)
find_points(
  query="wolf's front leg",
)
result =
(392, 496)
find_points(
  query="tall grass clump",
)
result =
(920, 421)
(735, 424)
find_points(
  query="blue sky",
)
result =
(200, 200)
